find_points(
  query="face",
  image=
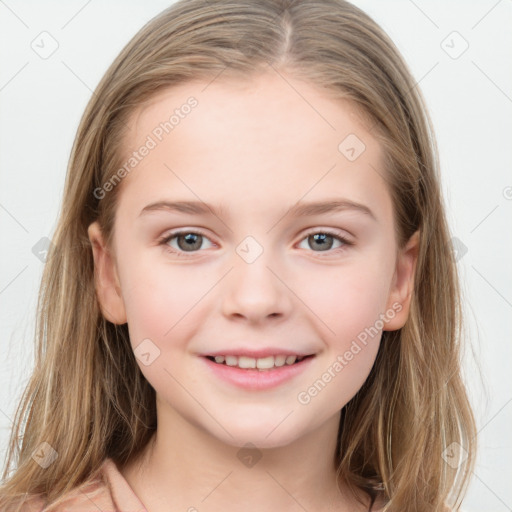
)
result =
(257, 272)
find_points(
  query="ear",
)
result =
(106, 280)
(402, 286)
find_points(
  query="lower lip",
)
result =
(254, 379)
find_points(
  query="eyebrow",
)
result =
(300, 209)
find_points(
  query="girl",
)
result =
(251, 300)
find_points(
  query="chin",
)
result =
(263, 434)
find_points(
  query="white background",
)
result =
(470, 100)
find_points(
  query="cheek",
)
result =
(345, 299)
(159, 298)
(348, 303)
(160, 306)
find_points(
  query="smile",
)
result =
(260, 363)
(257, 373)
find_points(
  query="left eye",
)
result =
(324, 240)
(188, 241)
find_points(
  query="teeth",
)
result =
(279, 360)
(265, 363)
(231, 360)
(262, 363)
(246, 362)
(291, 359)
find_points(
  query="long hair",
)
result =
(87, 398)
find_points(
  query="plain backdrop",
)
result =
(461, 56)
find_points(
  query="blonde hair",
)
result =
(87, 397)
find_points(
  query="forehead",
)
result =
(265, 105)
(273, 138)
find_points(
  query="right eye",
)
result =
(185, 241)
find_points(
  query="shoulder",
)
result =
(95, 494)
(108, 491)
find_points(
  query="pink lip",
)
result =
(254, 379)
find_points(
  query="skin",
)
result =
(255, 148)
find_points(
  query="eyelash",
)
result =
(165, 240)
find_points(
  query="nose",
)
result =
(254, 291)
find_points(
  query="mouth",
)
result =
(260, 363)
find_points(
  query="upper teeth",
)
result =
(262, 363)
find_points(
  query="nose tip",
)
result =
(253, 291)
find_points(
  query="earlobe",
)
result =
(106, 280)
(402, 287)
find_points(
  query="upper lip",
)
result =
(259, 353)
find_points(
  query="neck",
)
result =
(186, 468)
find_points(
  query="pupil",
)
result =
(192, 241)
(319, 238)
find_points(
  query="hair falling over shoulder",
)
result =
(87, 399)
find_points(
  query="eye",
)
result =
(192, 241)
(185, 241)
(324, 241)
